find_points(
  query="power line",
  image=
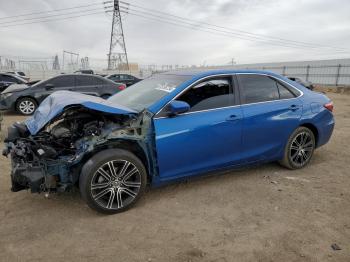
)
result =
(245, 33)
(57, 19)
(213, 30)
(55, 10)
(49, 16)
(192, 27)
(241, 31)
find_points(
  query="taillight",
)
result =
(329, 106)
(121, 87)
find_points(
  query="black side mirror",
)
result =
(49, 86)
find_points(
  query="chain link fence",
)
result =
(318, 74)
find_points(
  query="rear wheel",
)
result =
(112, 181)
(26, 106)
(299, 149)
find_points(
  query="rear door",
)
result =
(271, 112)
(87, 84)
(207, 137)
(128, 80)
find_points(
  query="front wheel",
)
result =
(299, 149)
(26, 106)
(112, 181)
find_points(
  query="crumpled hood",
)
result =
(15, 88)
(54, 105)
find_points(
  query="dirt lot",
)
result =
(265, 213)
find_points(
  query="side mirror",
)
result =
(177, 107)
(49, 86)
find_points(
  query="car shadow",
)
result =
(71, 202)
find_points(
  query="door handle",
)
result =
(232, 118)
(294, 107)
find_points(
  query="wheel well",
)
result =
(313, 129)
(128, 145)
(134, 148)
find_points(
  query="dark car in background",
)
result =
(126, 79)
(7, 79)
(25, 99)
(305, 83)
(19, 74)
(84, 71)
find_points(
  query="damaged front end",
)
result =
(51, 159)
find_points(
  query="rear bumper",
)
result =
(325, 131)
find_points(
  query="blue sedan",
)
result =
(168, 127)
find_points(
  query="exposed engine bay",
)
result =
(51, 160)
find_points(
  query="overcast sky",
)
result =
(322, 22)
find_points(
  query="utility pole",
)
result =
(117, 56)
(56, 64)
(72, 64)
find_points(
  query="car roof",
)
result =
(7, 74)
(119, 74)
(204, 73)
(98, 76)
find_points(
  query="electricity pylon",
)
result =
(117, 56)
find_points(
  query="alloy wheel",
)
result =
(301, 148)
(115, 184)
(26, 107)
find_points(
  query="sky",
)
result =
(324, 25)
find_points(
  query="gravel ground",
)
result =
(264, 213)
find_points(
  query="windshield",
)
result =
(145, 93)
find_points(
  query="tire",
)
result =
(26, 106)
(299, 149)
(106, 184)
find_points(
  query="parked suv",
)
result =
(25, 99)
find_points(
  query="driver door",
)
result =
(58, 83)
(205, 138)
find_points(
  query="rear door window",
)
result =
(258, 88)
(261, 88)
(62, 81)
(126, 77)
(84, 80)
(115, 77)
